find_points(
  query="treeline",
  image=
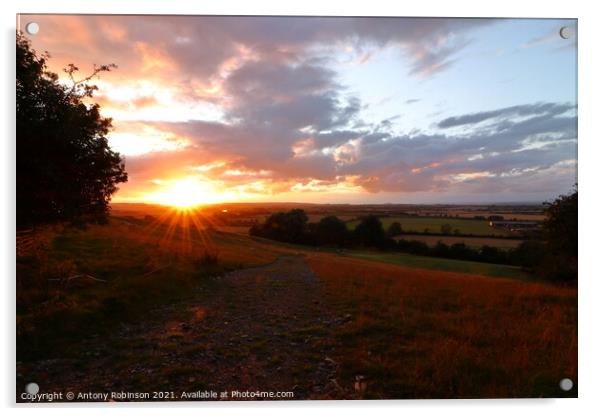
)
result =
(293, 227)
(554, 258)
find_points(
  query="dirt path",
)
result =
(260, 329)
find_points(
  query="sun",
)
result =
(185, 194)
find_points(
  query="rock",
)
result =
(361, 384)
(330, 361)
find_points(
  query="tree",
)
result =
(529, 254)
(560, 232)
(394, 229)
(370, 232)
(331, 231)
(446, 229)
(65, 167)
(288, 226)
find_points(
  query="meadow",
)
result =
(441, 264)
(430, 334)
(166, 299)
(475, 242)
(433, 225)
(74, 282)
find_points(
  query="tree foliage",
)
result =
(283, 226)
(66, 170)
(394, 229)
(446, 229)
(331, 231)
(560, 232)
(370, 232)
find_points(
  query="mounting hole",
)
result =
(566, 32)
(566, 384)
(32, 28)
(32, 388)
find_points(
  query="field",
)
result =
(475, 242)
(433, 225)
(156, 300)
(434, 263)
(72, 278)
(427, 334)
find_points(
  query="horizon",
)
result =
(200, 206)
(330, 110)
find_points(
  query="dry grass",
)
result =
(137, 268)
(430, 334)
(414, 333)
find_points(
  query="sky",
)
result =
(213, 109)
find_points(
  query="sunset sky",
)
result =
(360, 110)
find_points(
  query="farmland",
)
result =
(469, 220)
(433, 225)
(451, 265)
(476, 242)
(181, 304)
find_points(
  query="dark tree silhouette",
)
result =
(394, 229)
(66, 170)
(331, 231)
(288, 226)
(370, 232)
(446, 229)
(560, 234)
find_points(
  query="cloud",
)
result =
(552, 37)
(199, 46)
(285, 122)
(504, 153)
(551, 109)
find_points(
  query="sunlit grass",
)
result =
(418, 333)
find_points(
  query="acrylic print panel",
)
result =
(292, 208)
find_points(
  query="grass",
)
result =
(412, 261)
(419, 333)
(136, 270)
(449, 265)
(421, 327)
(433, 224)
(475, 242)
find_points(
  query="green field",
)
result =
(474, 242)
(433, 224)
(448, 265)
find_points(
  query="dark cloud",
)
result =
(504, 153)
(518, 110)
(286, 112)
(288, 97)
(197, 46)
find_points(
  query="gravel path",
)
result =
(263, 329)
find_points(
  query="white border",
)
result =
(590, 121)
